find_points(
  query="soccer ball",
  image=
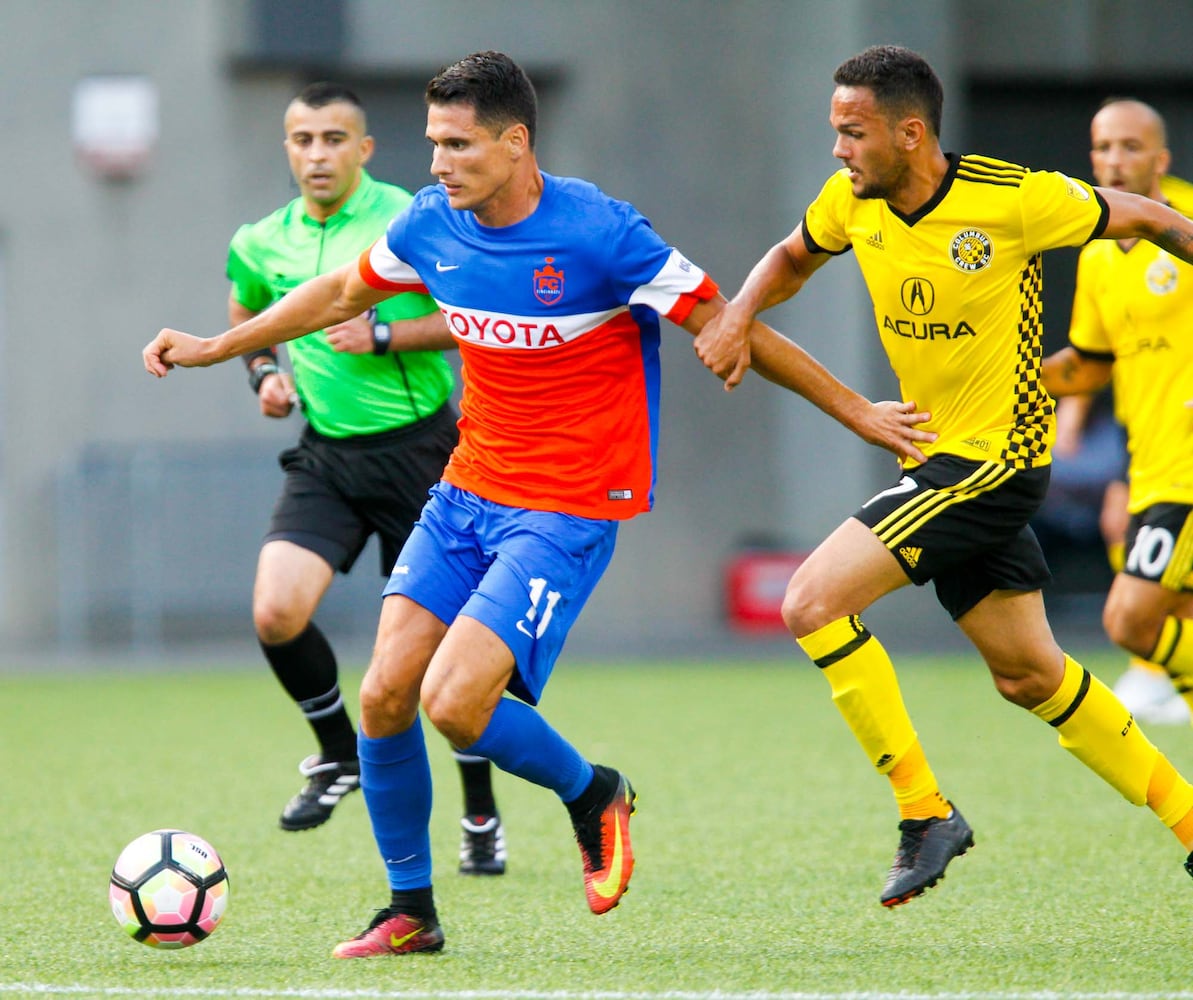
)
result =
(168, 889)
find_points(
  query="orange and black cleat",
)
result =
(605, 849)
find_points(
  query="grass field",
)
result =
(762, 839)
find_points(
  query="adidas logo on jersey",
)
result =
(875, 241)
(911, 554)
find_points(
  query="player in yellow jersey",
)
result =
(949, 247)
(1132, 312)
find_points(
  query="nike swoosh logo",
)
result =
(441, 267)
(397, 942)
(607, 887)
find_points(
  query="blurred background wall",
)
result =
(131, 509)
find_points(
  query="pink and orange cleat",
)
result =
(392, 933)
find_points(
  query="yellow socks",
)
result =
(1170, 797)
(1096, 729)
(1174, 652)
(1094, 726)
(866, 693)
(916, 791)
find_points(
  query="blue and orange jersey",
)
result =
(556, 318)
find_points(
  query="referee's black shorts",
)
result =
(963, 525)
(339, 491)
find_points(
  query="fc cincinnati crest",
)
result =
(971, 250)
(548, 283)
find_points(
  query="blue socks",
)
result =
(519, 740)
(395, 776)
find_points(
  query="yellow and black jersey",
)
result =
(956, 290)
(1135, 305)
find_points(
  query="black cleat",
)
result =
(1189, 864)
(327, 783)
(482, 846)
(926, 846)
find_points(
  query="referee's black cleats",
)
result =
(327, 783)
(482, 846)
(926, 846)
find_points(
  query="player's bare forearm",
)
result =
(894, 426)
(425, 333)
(1133, 215)
(1069, 373)
(1177, 239)
(723, 342)
(323, 301)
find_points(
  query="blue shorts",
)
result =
(523, 573)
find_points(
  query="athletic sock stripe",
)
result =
(322, 713)
(322, 703)
(897, 525)
(851, 647)
(1182, 556)
(1162, 658)
(1075, 704)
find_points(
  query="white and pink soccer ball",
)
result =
(169, 889)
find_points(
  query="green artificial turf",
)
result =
(762, 838)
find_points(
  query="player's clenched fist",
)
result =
(170, 348)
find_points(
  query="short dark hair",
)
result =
(318, 95)
(902, 81)
(499, 91)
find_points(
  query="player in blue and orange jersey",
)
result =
(379, 429)
(552, 291)
(950, 248)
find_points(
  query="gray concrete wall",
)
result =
(710, 116)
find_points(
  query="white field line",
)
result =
(51, 990)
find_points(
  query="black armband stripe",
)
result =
(1107, 356)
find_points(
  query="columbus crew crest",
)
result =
(548, 282)
(971, 250)
(1162, 276)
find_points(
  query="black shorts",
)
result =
(339, 491)
(963, 525)
(1159, 546)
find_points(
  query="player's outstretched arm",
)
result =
(1133, 215)
(723, 345)
(314, 305)
(890, 425)
(423, 333)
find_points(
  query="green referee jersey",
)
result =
(342, 394)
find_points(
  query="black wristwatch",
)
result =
(258, 374)
(381, 339)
